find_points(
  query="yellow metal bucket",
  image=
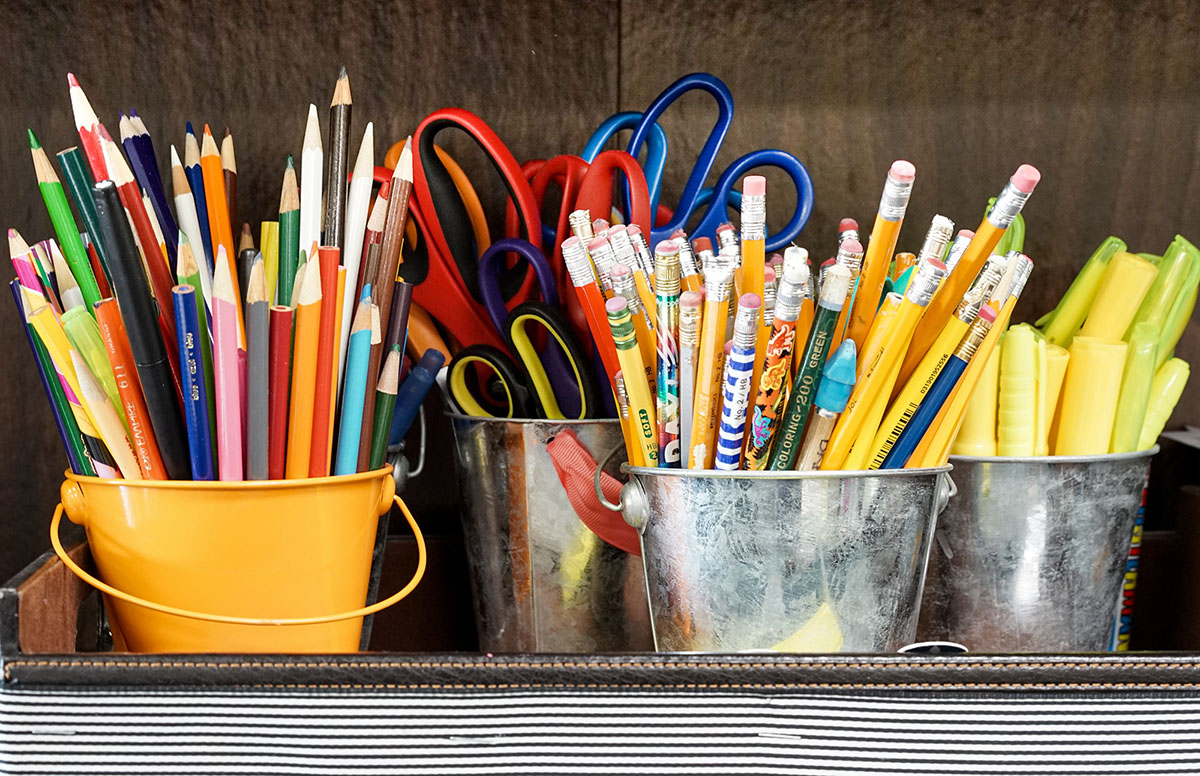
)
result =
(257, 566)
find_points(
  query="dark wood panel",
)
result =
(1101, 96)
(255, 66)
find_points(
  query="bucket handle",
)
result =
(611, 507)
(363, 612)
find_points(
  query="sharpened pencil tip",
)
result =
(33, 141)
(207, 131)
(227, 132)
(342, 73)
(133, 113)
(291, 163)
(72, 81)
(190, 131)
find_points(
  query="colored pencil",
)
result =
(339, 150)
(385, 405)
(219, 224)
(357, 203)
(225, 371)
(641, 403)
(304, 371)
(79, 181)
(289, 233)
(350, 428)
(311, 162)
(190, 228)
(318, 457)
(258, 370)
(106, 420)
(69, 295)
(280, 373)
(64, 224)
(195, 381)
(268, 243)
(68, 430)
(135, 138)
(229, 174)
(191, 274)
(87, 125)
(195, 178)
(84, 335)
(116, 345)
(373, 239)
(146, 343)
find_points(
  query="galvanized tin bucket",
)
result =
(784, 561)
(1030, 555)
(542, 580)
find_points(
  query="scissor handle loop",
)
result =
(489, 276)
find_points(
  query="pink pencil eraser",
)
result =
(679, 234)
(852, 246)
(614, 229)
(966, 233)
(774, 258)
(728, 347)
(847, 225)
(937, 264)
(689, 299)
(666, 248)
(633, 230)
(701, 244)
(570, 242)
(769, 274)
(619, 270)
(754, 186)
(725, 227)
(750, 300)
(596, 243)
(616, 304)
(1026, 178)
(902, 170)
(987, 313)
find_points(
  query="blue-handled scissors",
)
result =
(709, 204)
(556, 382)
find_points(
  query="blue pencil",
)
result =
(41, 357)
(191, 168)
(195, 382)
(358, 354)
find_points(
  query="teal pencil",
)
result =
(355, 392)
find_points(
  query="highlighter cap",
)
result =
(837, 382)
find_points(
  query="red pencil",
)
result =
(280, 371)
(87, 124)
(318, 456)
(98, 271)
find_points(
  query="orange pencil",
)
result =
(591, 299)
(318, 456)
(217, 205)
(990, 230)
(129, 389)
(304, 371)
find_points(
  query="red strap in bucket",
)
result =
(575, 467)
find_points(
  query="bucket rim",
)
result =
(549, 421)
(237, 485)
(1053, 459)
(856, 474)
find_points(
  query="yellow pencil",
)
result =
(941, 231)
(641, 404)
(754, 258)
(874, 372)
(718, 281)
(880, 331)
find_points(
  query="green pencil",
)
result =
(799, 404)
(64, 224)
(289, 234)
(385, 405)
(79, 180)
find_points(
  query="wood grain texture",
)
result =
(254, 66)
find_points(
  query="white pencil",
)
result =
(357, 205)
(311, 181)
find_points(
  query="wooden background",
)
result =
(1103, 97)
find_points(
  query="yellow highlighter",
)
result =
(1015, 418)
(977, 436)
(1168, 385)
(1136, 382)
(874, 373)
(1063, 322)
(1057, 359)
(1089, 400)
(1125, 283)
(1041, 420)
(641, 404)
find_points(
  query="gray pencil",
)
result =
(257, 358)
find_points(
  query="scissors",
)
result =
(709, 205)
(554, 383)
(445, 268)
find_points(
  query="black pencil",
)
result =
(338, 168)
(141, 326)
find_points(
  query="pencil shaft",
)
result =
(350, 429)
(335, 181)
(195, 394)
(318, 457)
(195, 178)
(280, 373)
(68, 238)
(289, 253)
(257, 420)
(142, 160)
(79, 181)
(229, 394)
(116, 344)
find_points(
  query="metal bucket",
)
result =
(784, 561)
(1030, 555)
(542, 581)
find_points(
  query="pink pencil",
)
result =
(228, 375)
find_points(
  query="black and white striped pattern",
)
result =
(595, 731)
